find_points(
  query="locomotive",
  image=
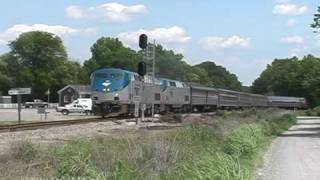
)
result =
(115, 91)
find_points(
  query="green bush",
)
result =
(124, 171)
(24, 150)
(192, 152)
(276, 126)
(316, 110)
(244, 141)
(313, 112)
(74, 160)
(214, 165)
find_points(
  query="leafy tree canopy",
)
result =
(291, 77)
(38, 60)
(219, 76)
(110, 52)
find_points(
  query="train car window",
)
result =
(163, 85)
(179, 84)
(157, 96)
(186, 98)
(173, 84)
(147, 79)
(108, 75)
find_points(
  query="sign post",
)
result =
(19, 108)
(48, 94)
(19, 92)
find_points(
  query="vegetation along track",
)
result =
(48, 124)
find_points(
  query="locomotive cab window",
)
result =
(172, 84)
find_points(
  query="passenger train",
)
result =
(115, 91)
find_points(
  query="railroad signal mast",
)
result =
(148, 51)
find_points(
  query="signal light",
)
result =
(143, 41)
(142, 68)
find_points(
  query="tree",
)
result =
(5, 81)
(291, 77)
(169, 64)
(316, 21)
(219, 76)
(38, 60)
(110, 52)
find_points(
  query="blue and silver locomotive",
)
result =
(116, 91)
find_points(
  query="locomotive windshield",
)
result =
(108, 80)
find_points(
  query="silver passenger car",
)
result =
(284, 101)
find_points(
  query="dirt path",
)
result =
(295, 155)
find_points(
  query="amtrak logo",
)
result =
(106, 83)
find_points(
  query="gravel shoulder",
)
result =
(295, 155)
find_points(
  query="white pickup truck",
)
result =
(81, 105)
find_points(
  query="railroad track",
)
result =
(48, 124)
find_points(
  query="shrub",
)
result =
(244, 141)
(316, 111)
(156, 155)
(74, 160)
(24, 150)
(214, 165)
(123, 171)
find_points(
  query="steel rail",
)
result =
(48, 124)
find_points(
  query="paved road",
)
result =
(32, 115)
(295, 155)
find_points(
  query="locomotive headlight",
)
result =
(108, 89)
(116, 95)
(104, 89)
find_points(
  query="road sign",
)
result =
(18, 91)
(48, 92)
(136, 98)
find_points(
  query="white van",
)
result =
(81, 105)
(83, 101)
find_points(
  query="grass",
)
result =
(200, 150)
(313, 111)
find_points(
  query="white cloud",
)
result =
(74, 12)
(289, 9)
(14, 31)
(292, 40)
(113, 12)
(291, 22)
(221, 42)
(166, 36)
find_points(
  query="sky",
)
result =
(243, 36)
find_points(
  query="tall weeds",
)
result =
(192, 152)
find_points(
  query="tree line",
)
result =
(291, 77)
(39, 60)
